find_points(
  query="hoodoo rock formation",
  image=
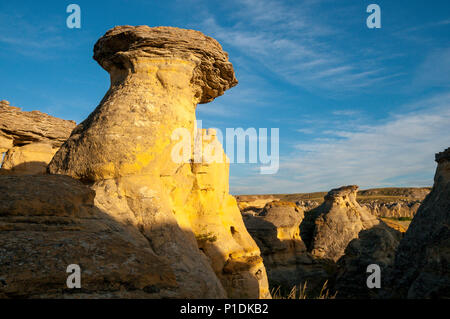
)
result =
(332, 243)
(29, 139)
(342, 231)
(124, 151)
(423, 257)
(329, 228)
(138, 197)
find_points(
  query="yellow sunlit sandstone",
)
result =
(213, 211)
(124, 149)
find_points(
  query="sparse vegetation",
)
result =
(299, 292)
(206, 237)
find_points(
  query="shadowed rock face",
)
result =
(30, 139)
(346, 234)
(423, 256)
(333, 243)
(376, 245)
(124, 150)
(276, 230)
(41, 234)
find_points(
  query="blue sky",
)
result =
(353, 105)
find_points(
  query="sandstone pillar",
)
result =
(123, 149)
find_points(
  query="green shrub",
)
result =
(206, 237)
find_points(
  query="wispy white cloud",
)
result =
(301, 55)
(398, 152)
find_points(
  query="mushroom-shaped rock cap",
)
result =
(341, 191)
(213, 74)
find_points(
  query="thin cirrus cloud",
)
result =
(302, 55)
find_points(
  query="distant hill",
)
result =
(387, 194)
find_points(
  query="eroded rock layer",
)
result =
(29, 139)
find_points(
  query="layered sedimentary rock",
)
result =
(394, 209)
(249, 202)
(42, 234)
(125, 150)
(397, 209)
(423, 256)
(329, 228)
(29, 139)
(307, 205)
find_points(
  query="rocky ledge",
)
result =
(29, 139)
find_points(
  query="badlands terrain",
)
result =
(105, 194)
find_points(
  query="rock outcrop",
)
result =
(29, 139)
(255, 203)
(394, 209)
(277, 233)
(124, 150)
(50, 222)
(423, 256)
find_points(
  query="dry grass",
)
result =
(396, 223)
(300, 293)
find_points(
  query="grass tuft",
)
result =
(300, 293)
